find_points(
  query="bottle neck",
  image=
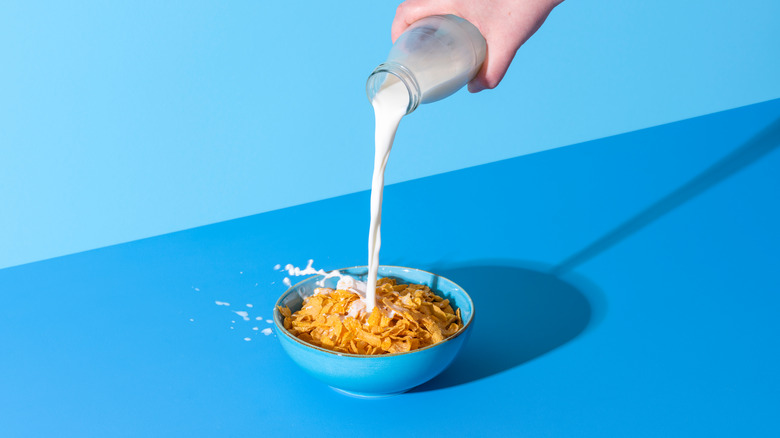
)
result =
(390, 72)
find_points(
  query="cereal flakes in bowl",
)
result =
(419, 325)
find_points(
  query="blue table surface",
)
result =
(625, 287)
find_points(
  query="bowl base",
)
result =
(367, 395)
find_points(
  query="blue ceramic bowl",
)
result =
(380, 375)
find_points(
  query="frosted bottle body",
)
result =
(435, 57)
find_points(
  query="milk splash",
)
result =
(294, 271)
(346, 282)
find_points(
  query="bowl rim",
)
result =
(280, 325)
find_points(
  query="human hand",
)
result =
(505, 24)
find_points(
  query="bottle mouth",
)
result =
(379, 77)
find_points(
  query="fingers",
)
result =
(404, 16)
(412, 10)
(504, 35)
(497, 60)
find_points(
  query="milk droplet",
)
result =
(243, 314)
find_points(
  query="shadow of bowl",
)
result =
(524, 314)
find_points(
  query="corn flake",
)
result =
(407, 317)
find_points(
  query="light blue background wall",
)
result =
(123, 121)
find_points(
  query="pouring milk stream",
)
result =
(432, 59)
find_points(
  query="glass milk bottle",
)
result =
(435, 57)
